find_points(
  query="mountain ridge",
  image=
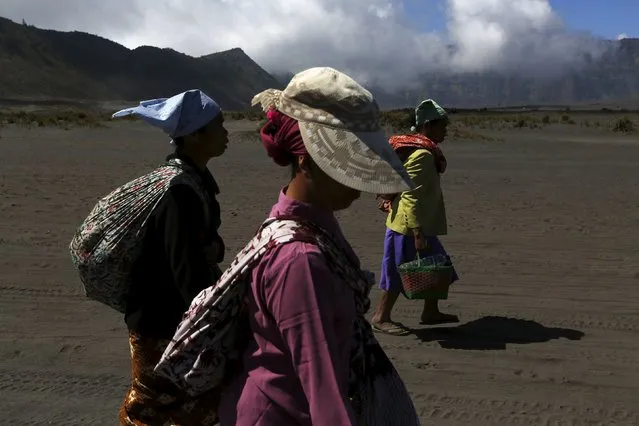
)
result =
(47, 64)
(76, 65)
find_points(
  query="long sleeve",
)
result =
(419, 204)
(180, 219)
(305, 299)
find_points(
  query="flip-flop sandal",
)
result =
(441, 319)
(392, 329)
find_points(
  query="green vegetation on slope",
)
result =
(467, 125)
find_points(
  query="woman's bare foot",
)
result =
(438, 318)
(431, 315)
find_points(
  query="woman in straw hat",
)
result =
(309, 356)
(415, 218)
(179, 257)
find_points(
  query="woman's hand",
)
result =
(420, 240)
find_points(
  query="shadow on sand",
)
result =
(494, 333)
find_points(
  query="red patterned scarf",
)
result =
(417, 141)
(404, 146)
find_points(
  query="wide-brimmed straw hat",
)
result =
(339, 122)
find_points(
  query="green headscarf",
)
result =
(427, 111)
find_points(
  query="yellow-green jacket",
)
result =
(422, 207)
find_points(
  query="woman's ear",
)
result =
(305, 165)
(190, 140)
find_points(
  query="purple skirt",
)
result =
(400, 248)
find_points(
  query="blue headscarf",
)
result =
(179, 115)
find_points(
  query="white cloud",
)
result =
(526, 35)
(622, 36)
(484, 30)
(371, 39)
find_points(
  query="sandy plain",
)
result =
(544, 231)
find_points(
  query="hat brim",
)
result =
(364, 161)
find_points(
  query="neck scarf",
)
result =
(418, 141)
(406, 144)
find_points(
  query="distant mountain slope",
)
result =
(38, 63)
(45, 63)
(611, 77)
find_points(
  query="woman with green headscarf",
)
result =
(415, 218)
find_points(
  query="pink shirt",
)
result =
(301, 316)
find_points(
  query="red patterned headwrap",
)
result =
(281, 138)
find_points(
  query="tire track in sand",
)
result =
(515, 412)
(49, 382)
(17, 292)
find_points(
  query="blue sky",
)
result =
(604, 18)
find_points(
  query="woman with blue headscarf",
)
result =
(180, 251)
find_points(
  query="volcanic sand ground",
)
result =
(544, 229)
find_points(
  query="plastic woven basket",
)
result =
(426, 278)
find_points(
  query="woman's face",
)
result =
(212, 140)
(334, 196)
(342, 196)
(437, 130)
